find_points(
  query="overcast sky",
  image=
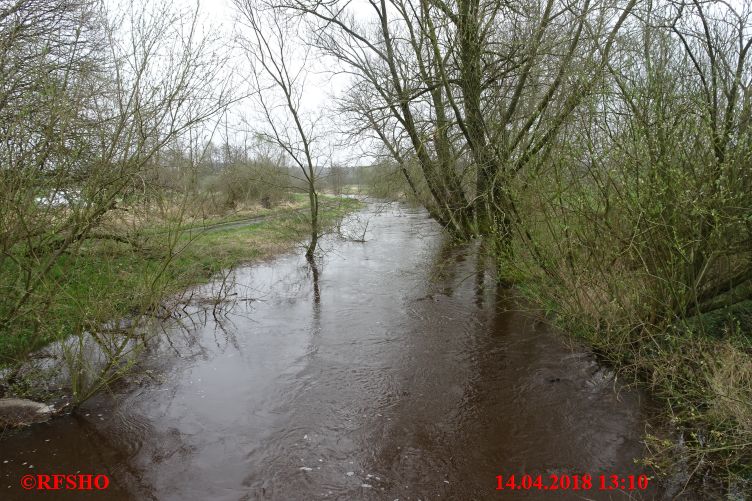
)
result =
(220, 18)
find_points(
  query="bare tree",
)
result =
(493, 82)
(88, 99)
(278, 79)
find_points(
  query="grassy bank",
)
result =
(696, 366)
(105, 279)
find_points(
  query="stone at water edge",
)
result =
(21, 412)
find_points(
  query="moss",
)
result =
(717, 324)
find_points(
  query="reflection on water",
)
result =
(390, 369)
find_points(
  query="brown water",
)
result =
(405, 374)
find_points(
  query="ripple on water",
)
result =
(411, 376)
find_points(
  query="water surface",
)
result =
(401, 372)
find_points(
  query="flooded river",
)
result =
(401, 372)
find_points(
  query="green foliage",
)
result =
(109, 280)
(636, 234)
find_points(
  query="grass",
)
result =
(297, 202)
(107, 280)
(613, 272)
(698, 369)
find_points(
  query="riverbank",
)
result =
(108, 279)
(697, 370)
(397, 370)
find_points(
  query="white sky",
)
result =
(221, 18)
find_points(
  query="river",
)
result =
(401, 372)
